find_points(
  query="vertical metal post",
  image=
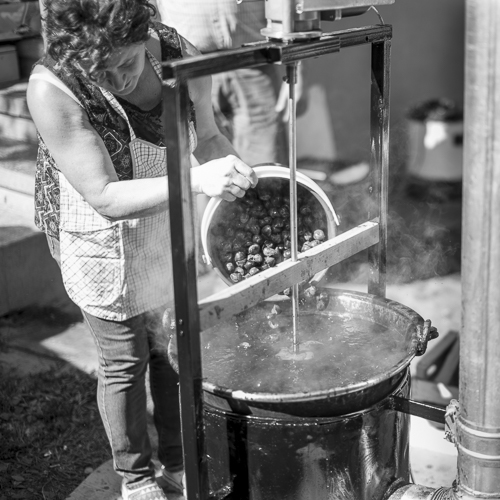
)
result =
(291, 73)
(478, 425)
(379, 162)
(175, 121)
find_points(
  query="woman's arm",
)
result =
(82, 157)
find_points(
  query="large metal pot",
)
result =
(333, 401)
(342, 443)
(351, 457)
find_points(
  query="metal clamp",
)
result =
(450, 421)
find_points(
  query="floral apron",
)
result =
(117, 270)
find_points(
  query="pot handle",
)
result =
(425, 333)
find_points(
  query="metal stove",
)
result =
(293, 34)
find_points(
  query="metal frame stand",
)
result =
(193, 317)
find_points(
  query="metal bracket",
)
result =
(410, 407)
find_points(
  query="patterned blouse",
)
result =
(112, 128)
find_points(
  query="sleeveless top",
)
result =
(109, 125)
(113, 269)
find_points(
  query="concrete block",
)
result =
(18, 182)
(18, 128)
(16, 200)
(29, 276)
(15, 118)
(13, 100)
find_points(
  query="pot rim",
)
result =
(263, 397)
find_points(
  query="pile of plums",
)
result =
(252, 233)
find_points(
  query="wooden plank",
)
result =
(241, 296)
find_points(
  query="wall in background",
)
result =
(427, 62)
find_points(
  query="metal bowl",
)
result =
(216, 209)
(334, 401)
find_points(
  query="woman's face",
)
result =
(123, 70)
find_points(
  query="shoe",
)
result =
(147, 492)
(175, 481)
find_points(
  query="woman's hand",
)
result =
(227, 178)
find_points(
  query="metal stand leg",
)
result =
(379, 125)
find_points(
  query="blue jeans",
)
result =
(126, 349)
(244, 103)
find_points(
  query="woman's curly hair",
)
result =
(86, 33)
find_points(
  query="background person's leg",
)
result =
(244, 105)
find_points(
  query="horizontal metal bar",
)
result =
(429, 412)
(241, 296)
(260, 53)
(363, 35)
(218, 62)
(294, 52)
(315, 5)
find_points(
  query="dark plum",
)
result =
(267, 231)
(258, 239)
(269, 251)
(319, 235)
(254, 229)
(254, 249)
(240, 256)
(257, 259)
(275, 238)
(274, 212)
(270, 261)
(236, 277)
(253, 270)
(248, 265)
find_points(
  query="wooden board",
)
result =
(241, 296)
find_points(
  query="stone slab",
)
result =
(13, 100)
(28, 274)
(24, 362)
(14, 179)
(105, 484)
(19, 128)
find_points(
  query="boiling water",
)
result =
(335, 351)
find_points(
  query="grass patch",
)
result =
(51, 434)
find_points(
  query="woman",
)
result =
(102, 199)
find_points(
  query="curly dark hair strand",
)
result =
(85, 33)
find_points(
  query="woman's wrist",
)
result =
(196, 180)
